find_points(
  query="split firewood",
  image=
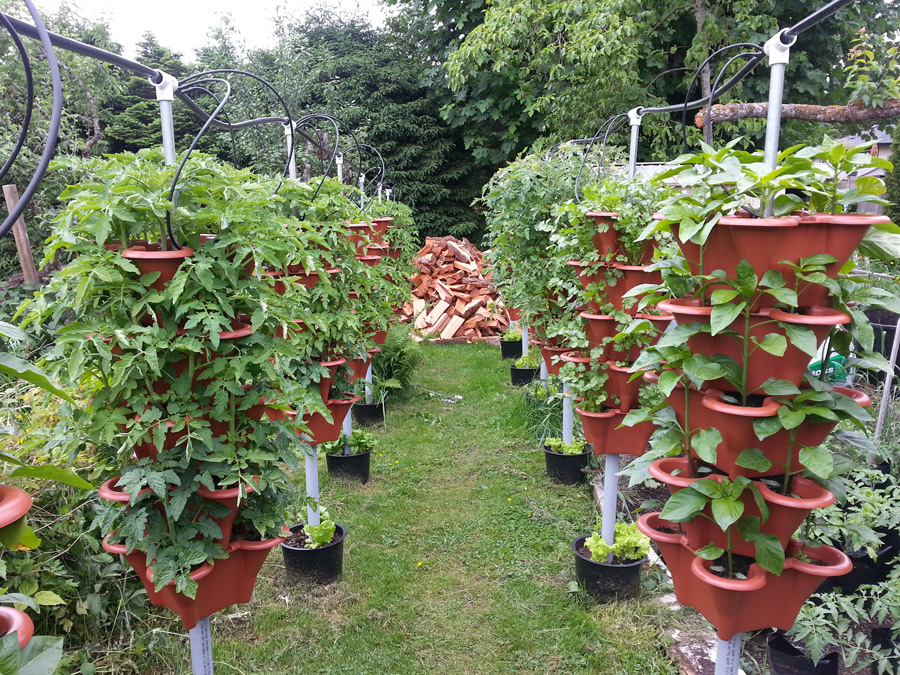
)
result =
(452, 296)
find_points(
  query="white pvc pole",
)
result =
(610, 496)
(524, 340)
(292, 158)
(201, 648)
(165, 94)
(312, 484)
(886, 391)
(347, 428)
(339, 160)
(634, 118)
(369, 384)
(544, 374)
(779, 56)
(568, 417)
(362, 187)
(728, 655)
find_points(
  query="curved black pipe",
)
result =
(53, 130)
(29, 97)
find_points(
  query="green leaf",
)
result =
(668, 380)
(790, 419)
(754, 459)
(48, 598)
(774, 344)
(705, 443)
(41, 656)
(726, 511)
(747, 280)
(723, 295)
(723, 316)
(710, 552)
(18, 368)
(764, 427)
(54, 473)
(776, 387)
(818, 460)
(684, 505)
(769, 554)
(801, 337)
(10, 661)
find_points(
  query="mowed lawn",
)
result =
(457, 559)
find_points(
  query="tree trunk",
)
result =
(823, 114)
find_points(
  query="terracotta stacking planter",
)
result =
(148, 258)
(606, 243)
(310, 279)
(15, 620)
(786, 514)
(323, 431)
(616, 279)
(761, 365)
(14, 505)
(739, 605)
(735, 423)
(600, 328)
(230, 581)
(360, 366)
(603, 431)
(551, 356)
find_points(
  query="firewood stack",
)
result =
(453, 297)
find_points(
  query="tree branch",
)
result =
(823, 114)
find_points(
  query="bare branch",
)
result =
(823, 114)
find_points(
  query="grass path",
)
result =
(457, 558)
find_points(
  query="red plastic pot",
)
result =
(602, 431)
(673, 472)
(327, 380)
(762, 241)
(296, 327)
(323, 431)
(149, 260)
(620, 385)
(381, 224)
(360, 366)
(361, 235)
(230, 498)
(601, 327)
(673, 549)
(632, 276)
(370, 260)
(379, 250)
(551, 358)
(689, 416)
(229, 581)
(309, 279)
(786, 514)
(761, 365)
(14, 504)
(15, 620)
(514, 314)
(606, 243)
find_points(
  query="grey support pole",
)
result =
(610, 497)
(634, 118)
(292, 158)
(362, 191)
(201, 648)
(339, 161)
(524, 339)
(347, 428)
(568, 417)
(165, 94)
(728, 655)
(779, 55)
(368, 384)
(312, 483)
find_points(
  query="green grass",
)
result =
(457, 558)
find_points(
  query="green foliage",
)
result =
(556, 445)
(628, 544)
(530, 360)
(321, 534)
(892, 181)
(359, 442)
(398, 360)
(512, 335)
(41, 656)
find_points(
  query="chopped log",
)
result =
(435, 313)
(452, 326)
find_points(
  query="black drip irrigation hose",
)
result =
(203, 90)
(612, 124)
(306, 122)
(53, 129)
(29, 97)
(380, 172)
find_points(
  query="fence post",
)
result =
(23, 246)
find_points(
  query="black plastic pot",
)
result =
(884, 325)
(322, 565)
(883, 637)
(786, 658)
(511, 350)
(567, 469)
(368, 414)
(865, 571)
(604, 582)
(523, 376)
(350, 466)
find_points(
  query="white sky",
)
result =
(182, 25)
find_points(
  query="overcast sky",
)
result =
(182, 25)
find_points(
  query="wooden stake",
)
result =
(11, 194)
